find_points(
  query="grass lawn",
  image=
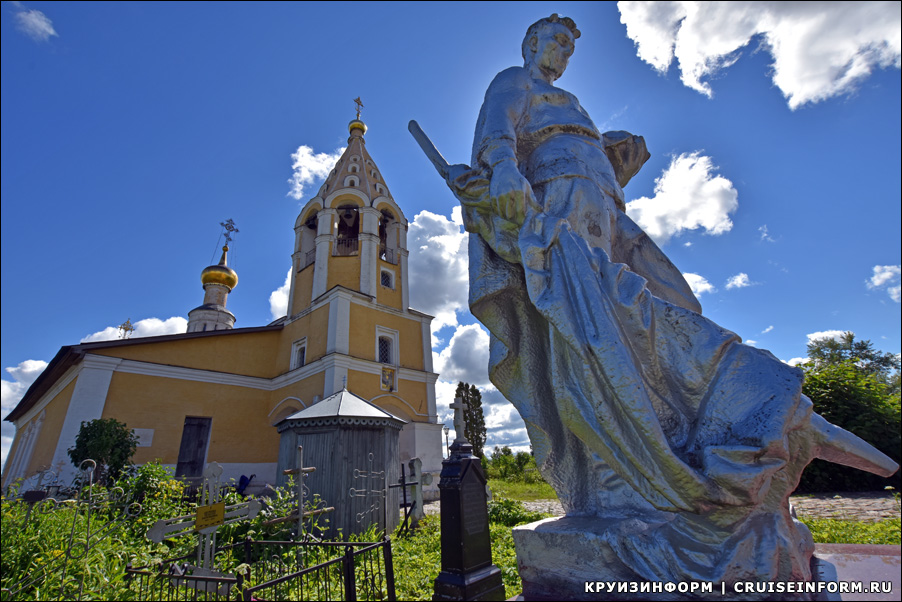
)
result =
(523, 492)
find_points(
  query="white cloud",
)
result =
(764, 235)
(11, 392)
(149, 327)
(740, 280)
(698, 284)
(438, 270)
(768, 329)
(34, 23)
(825, 334)
(278, 299)
(688, 195)
(466, 358)
(751, 342)
(887, 276)
(308, 167)
(797, 360)
(819, 49)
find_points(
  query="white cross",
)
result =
(459, 406)
(168, 528)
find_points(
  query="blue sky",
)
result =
(130, 131)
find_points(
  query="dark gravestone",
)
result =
(467, 569)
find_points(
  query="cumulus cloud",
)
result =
(698, 284)
(307, 167)
(888, 277)
(751, 342)
(688, 196)
(797, 360)
(825, 334)
(438, 270)
(740, 280)
(149, 327)
(33, 23)
(11, 392)
(466, 358)
(278, 299)
(819, 49)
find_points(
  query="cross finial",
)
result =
(459, 406)
(229, 226)
(359, 104)
(126, 329)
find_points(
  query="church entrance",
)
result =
(193, 449)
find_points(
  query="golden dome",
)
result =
(358, 125)
(220, 274)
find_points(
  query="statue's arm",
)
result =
(495, 143)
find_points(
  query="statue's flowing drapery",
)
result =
(624, 420)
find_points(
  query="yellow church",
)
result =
(215, 393)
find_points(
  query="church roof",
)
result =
(357, 163)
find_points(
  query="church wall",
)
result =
(304, 390)
(55, 414)
(313, 326)
(344, 271)
(414, 393)
(363, 335)
(385, 295)
(241, 432)
(303, 287)
(249, 354)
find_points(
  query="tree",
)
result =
(846, 394)
(830, 351)
(474, 422)
(108, 442)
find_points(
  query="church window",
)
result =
(299, 354)
(348, 228)
(380, 188)
(352, 181)
(386, 278)
(385, 354)
(354, 168)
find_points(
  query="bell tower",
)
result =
(349, 324)
(352, 234)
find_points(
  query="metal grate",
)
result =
(385, 351)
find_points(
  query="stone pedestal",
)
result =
(467, 569)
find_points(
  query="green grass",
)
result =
(850, 531)
(520, 491)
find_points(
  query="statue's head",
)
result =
(549, 44)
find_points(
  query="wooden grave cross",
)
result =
(300, 514)
(376, 494)
(210, 515)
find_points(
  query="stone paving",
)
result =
(867, 506)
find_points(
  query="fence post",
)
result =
(389, 568)
(350, 580)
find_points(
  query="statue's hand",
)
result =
(510, 192)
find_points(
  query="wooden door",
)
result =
(193, 449)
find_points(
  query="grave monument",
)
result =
(673, 447)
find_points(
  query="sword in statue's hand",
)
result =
(469, 185)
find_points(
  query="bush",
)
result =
(108, 442)
(863, 404)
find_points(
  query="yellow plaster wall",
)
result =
(314, 326)
(241, 431)
(369, 386)
(362, 341)
(303, 289)
(304, 390)
(249, 354)
(389, 296)
(55, 414)
(344, 271)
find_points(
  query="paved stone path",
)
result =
(869, 506)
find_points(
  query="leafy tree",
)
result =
(861, 401)
(108, 442)
(474, 422)
(830, 351)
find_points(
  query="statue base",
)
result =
(567, 558)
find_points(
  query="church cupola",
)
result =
(351, 234)
(218, 281)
